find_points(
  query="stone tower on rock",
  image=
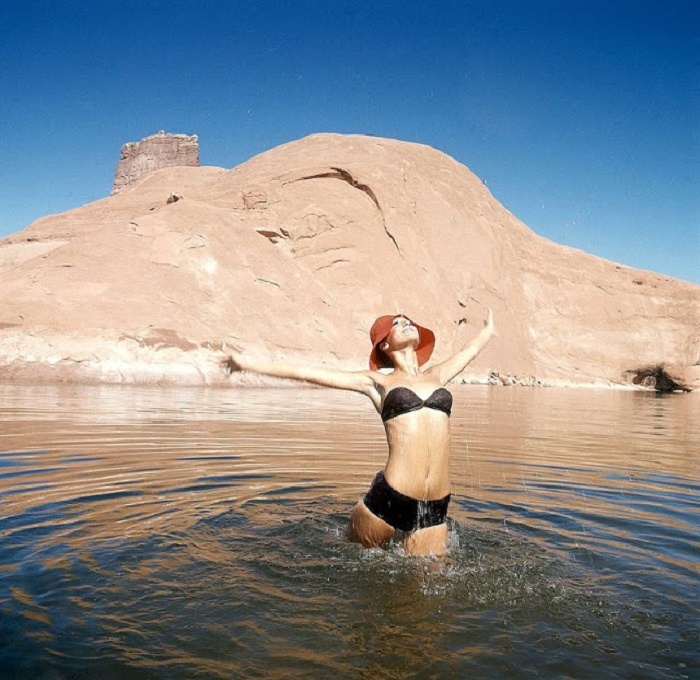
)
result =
(156, 152)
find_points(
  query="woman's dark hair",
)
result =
(383, 360)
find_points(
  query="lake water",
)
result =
(182, 533)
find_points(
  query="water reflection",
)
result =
(178, 532)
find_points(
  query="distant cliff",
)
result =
(156, 152)
(295, 252)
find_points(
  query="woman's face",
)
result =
(402, 333)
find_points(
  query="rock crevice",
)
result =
(345, 176)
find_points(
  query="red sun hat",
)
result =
(381, 329)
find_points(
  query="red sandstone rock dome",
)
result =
(295, 253)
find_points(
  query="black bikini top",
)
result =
(402, 400)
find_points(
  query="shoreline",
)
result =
(190, 376)
(124, 361)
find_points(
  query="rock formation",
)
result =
(154, 153)
(296, 251)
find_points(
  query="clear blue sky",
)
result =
(582, 116)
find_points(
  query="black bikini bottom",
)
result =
(403, 512)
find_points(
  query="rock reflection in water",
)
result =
(173, 533)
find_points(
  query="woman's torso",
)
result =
(418, 440)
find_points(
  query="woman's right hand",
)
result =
(233, 362)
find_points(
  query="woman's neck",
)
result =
(405, 361)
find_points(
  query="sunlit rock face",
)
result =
(295, 252)
(153, 153)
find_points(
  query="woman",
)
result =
(412, 492)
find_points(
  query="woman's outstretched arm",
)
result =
(357, 381)
(453, 366)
